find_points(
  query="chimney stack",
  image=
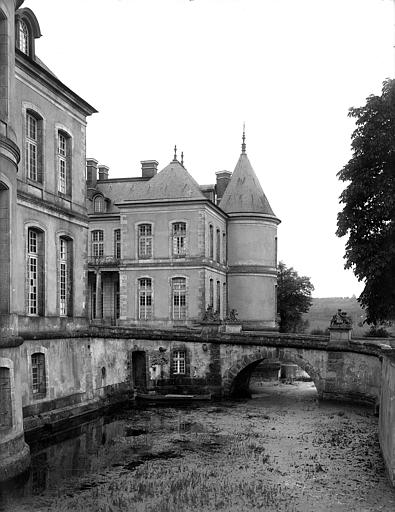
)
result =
(91, 172)
(103, 172)
(149, 168)
(223, 179)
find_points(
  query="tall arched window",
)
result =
(218, 246)
(145, 241)
(145, 299)
(224, 301)
(65, 284)
(117, 243)
(35, 271)
(64, 162)
(23, 37)
(179, 234)
(211, 242)
(97, 243)
(98, 204)
(34, 146)
(211, 293)
(39, 381)
(31, 149)
(218, 291)
(179, 298)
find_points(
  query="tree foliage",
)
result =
(293, 298)
(368, 216)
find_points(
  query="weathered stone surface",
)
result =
(387, 414)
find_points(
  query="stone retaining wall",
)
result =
(387, 413)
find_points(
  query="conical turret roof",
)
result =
(244, 193)
(172, 182)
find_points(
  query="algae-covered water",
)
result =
(279, 451)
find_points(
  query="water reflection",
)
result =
(91, 448)
(73, 453)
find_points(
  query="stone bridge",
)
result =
(87, 370)
(223, 363)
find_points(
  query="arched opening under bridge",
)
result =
(252, 373)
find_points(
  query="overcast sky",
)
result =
(190, 72)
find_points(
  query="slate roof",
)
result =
(172, 182)
(244, 193)
(118, 191)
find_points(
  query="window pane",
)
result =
(23, 37)
(179, 361)
(145, 241)
(179, 298)
(145, 299)
(38, 374)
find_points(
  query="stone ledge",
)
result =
(10, 341)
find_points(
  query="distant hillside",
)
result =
(323, 309)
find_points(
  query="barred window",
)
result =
(117, 243)
(179, 299)
(97, 243)
(179, 231)
(39, 384)
(145, 299)
(145, 241)
(179, 365)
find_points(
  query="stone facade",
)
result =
(154, 234)
(43, 217)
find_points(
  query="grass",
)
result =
(216, 472)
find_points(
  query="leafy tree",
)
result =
(368, 216)
(293, 298)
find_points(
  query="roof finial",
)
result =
(175, 154)
(182, 158)
(243, 146)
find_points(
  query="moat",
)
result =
(281, 450)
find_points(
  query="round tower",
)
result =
(252, 248)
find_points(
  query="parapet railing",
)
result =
(103, 261)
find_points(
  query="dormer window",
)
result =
(27, 30)
(23, 37)
(98, 204)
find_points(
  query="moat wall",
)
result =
(93, 370)
(387, 414)
(98, 368)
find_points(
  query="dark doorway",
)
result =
(139, 370)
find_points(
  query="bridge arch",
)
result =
(236, 379)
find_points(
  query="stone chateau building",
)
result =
(163, 249)
(77, 246)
